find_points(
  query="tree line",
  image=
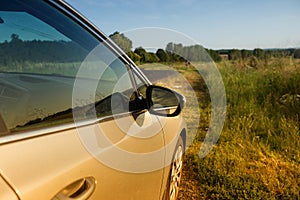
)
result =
(17, 50)
(235, 54)
(172, 53)
(178, 53)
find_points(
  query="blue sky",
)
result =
(212, 23)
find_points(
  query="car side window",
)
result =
(43, 55)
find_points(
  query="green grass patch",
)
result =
(258, 154)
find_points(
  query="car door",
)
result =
(72, 123)
(6, 191)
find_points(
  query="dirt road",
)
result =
(190, 189)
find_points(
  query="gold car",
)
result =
(78, 119)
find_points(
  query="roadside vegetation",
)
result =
(258, 153)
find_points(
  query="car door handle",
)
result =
(81, 189)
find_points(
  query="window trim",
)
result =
(16, 137)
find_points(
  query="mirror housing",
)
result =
(164, 102)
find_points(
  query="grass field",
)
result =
(258, 153)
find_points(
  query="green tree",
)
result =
(235, 54)
(170, 47)
(122, 41)
(146, 57)
(162, 55)
(15, 38)
(297, 53)
(246, 54)
(151, 57)
(142, 53)
(214, 55)
(134, 57)
(259, 53)
(178, 49)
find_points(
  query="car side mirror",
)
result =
(164, 102)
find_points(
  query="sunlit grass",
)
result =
(258, 154)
